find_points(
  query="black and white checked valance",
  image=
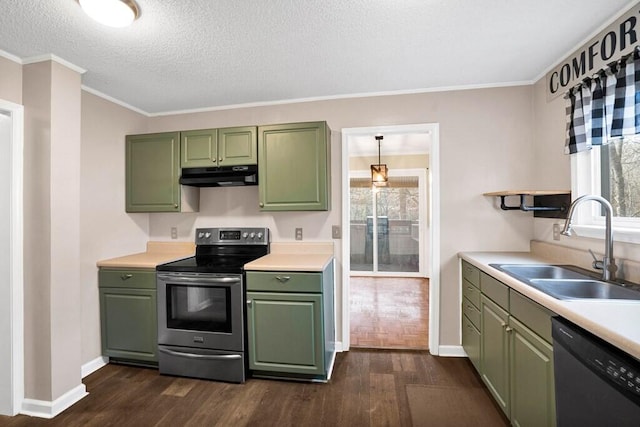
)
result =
(605, 106)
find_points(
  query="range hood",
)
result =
(225, 176)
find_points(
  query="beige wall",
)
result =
(106, 230)
(51, 95)
(485, 145)
(11, 81)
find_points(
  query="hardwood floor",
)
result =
(368, 388)
(389, 312)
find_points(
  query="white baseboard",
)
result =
(93, 365)
(339, 347)
(451, 351)
(47, 409)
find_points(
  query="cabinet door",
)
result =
(471, 341)
(153, 172)
(532, 384)
(237, 146)
(285, 332)
(199, 148)
(129, 324)
(293, 171)
(494, 349)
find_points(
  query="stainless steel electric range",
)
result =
(201, 305)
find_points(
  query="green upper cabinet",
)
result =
(237, 146)
(294, 167)
(152, 175)
(199, 148)
(219, 147)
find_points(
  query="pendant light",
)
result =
(379, 172)
(113, 13)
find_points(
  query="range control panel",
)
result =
(232, 236)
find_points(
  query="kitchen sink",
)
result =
(583, 289)
(540, 271)
(568, 282)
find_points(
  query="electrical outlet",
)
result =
(174, 232)
(298, 233)
(556, 231)
(335, 232)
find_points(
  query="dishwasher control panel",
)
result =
(609, 362)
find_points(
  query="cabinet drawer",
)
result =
(497, 291)
(471, 292)
(284, 281)
(536, 317)
(471, 273)
(472, 312)
(143, 279)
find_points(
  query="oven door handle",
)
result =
(201, 356)
(179, 279)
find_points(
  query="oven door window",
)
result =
(199, 308)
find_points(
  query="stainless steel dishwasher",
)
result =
(596, 383)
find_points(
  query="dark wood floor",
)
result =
(368, 388)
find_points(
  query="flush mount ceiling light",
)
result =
(379, 172)
(114, 13)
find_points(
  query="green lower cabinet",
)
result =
(494, 351)
(285, 332)
(532, 383)
(128, 316)
(515, 355)
(290, 324)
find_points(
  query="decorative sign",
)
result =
(608, 46)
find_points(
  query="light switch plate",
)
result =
(556, 231)
(298, 233)
(174, 232)
(335, 232)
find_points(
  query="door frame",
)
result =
(433, 194)
(421, 174)
(15, 306)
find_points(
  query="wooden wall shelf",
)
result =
(546, 203)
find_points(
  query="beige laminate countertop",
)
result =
(157, 253)
(615, 321)
(294, 257)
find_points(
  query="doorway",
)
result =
(389, 245)
(11, 258)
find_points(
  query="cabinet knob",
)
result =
(249, 302)
(261, 205)
(508, 329)
(126, 276)
(220, 159)
(175, 205)
(283, 279)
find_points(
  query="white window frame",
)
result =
(588, 221)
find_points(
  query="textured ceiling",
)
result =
(194, 54)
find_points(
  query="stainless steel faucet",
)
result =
(608, 263)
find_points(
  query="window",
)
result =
(620, 176)
(603, 136)
(612, 171)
